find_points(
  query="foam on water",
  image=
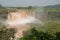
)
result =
(22, 21)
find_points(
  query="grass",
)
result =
(52, 27)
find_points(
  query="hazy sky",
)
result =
(28, 2)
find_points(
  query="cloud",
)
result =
(28, 2)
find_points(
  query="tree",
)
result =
(1, 6)
(30, 7)
(6, 34)
(33, 34)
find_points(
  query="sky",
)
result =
(14, 3)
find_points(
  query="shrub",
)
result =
(6, 34)
(33, 34)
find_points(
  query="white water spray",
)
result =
(23, 21)
(21, 17)
(16, 20)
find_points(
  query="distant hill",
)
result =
(53, 6)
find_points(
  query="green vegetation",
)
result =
(53, 27)
(6, 34)
(51, 31)
(52, 9)
(3, 10)
(33, 34)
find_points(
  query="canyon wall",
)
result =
(21, 19)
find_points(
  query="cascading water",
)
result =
(20, 18)
(22, 21)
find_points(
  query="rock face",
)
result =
(17, 20)
(16, 15)
(19, 17)
(20, 20)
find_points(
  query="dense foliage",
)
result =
(33, 34)
(6, 34)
